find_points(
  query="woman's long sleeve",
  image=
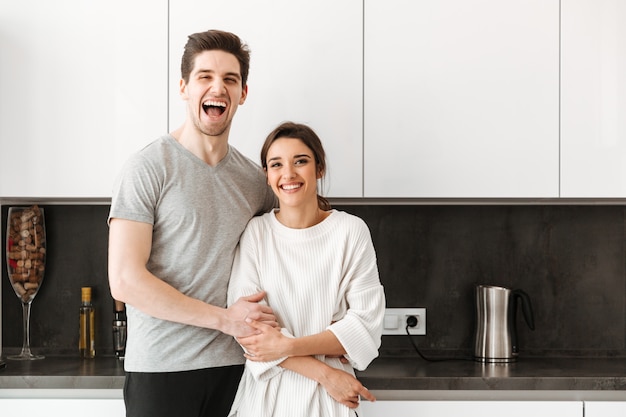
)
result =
(360, 329)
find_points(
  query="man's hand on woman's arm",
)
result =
(237, 315)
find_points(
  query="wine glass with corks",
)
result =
(26, 263)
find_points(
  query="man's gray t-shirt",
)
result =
(198, 213)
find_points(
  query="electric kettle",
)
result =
(496, 331)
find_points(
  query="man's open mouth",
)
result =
(214, 108)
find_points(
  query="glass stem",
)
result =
(26, 320)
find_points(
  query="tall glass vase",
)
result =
(26, 263)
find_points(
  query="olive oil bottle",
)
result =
(87, 331)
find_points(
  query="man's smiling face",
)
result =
(214, 92)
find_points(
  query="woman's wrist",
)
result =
(322, 373)
(290, 346)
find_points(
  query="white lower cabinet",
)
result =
(605, 408)
(473, 409)
(66, 402)
(35, 407)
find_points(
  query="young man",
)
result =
(179, 207)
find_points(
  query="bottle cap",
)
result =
(119, 306)
(85, 293)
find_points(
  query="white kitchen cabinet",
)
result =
(306, 66)
(461, 98)
(593, 99)
(84, 84)
(43, 407)
(605, 408)
(472, 408)
(67, 402)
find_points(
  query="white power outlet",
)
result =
(396, 320)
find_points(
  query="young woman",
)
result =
(318, 268)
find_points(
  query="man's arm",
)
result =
(130, 244)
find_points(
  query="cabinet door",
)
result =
(605, 408)
(62, 407)
(461, 98)
(473, 408)
(593, 104)
(306, 66)
(83, 84)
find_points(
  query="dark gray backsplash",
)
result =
(571, 261)
(77, 257)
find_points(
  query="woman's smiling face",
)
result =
(292, 172)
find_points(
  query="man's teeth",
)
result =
(214, 103)
(291, 186)
(214, 108)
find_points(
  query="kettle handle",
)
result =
(527, 308)
(528, 315)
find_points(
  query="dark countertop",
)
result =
(384, 376)
(599, 378)
(63, 372)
